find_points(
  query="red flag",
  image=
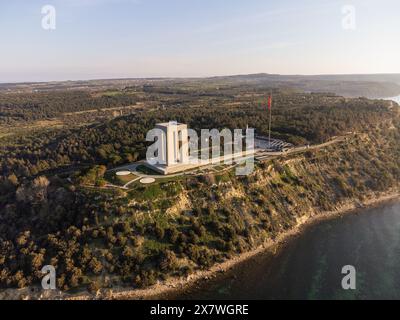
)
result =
(269, 102)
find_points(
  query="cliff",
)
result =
(174, 229)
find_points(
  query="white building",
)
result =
(175, 144)
(173, 154)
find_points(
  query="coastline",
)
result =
(177, 285)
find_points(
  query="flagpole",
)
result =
(270, 116)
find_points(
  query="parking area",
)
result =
(273, 145)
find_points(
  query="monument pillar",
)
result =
(176, 143)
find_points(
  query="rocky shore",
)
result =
(173, 286)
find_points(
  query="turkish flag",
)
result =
(269, 102)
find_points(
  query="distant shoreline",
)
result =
(175, 286)
(395, 99)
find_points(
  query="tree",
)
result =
(13, 180)
(95, 265)
(168, 261)
(34, 192)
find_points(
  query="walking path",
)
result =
(259, 156)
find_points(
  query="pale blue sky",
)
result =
(147, 38)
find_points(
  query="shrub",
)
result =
(159, 232)
(173, 234)
(93, 287)
(168, 261)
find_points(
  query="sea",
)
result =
(354, 256)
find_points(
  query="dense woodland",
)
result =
(16, 107)
(103, 238)
(297, 118)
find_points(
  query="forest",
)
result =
(297, 118)
(16, 107)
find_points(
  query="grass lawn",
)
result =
(111, 177)
(126, 179)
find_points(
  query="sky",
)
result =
(96, 39)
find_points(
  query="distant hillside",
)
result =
(395, 77)
(370, 86)
(357, 85)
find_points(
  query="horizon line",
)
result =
(196, 77)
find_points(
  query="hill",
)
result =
(357, 85)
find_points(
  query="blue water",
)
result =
(309, 266)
